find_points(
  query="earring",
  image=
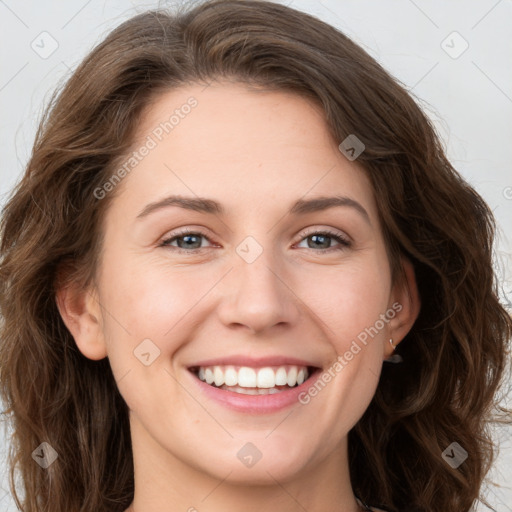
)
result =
(394, 358)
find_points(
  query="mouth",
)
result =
(249, 380)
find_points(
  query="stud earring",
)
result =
(391, 341)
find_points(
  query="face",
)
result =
(244, 248)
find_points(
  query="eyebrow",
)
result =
(210, 206)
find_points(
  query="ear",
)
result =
(405, 300)
(81, 312)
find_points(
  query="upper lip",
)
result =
(254, 362)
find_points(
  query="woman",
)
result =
(232, 217)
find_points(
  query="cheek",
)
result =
(147, 309)
(349, 302)
(349, 298)
(146, 301)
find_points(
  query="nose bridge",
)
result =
(256, 295)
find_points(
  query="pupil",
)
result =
(322, 238)
(185, 238)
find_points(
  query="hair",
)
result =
(454, 357)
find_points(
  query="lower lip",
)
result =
(257, 404)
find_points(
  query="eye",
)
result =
(187, 241)
(322, 240)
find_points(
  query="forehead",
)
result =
(242, 146)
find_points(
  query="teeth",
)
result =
(266, 378)
(281, 377)
(246, 377)
(251, 391)
(218, 376)
(230, 376)
(208, 376)
(291, 379)
(260, 380)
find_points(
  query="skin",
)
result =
(256, 153)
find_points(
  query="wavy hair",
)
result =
(454, 357)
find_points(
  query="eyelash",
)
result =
(343, 242)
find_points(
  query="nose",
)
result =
(258, 296)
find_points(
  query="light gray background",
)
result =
(467, 94)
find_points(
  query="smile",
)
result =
(253, 381)
(254, 385)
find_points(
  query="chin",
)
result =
(244, 466)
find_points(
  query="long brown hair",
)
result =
(454, 358)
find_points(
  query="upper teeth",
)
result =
(246, 377)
